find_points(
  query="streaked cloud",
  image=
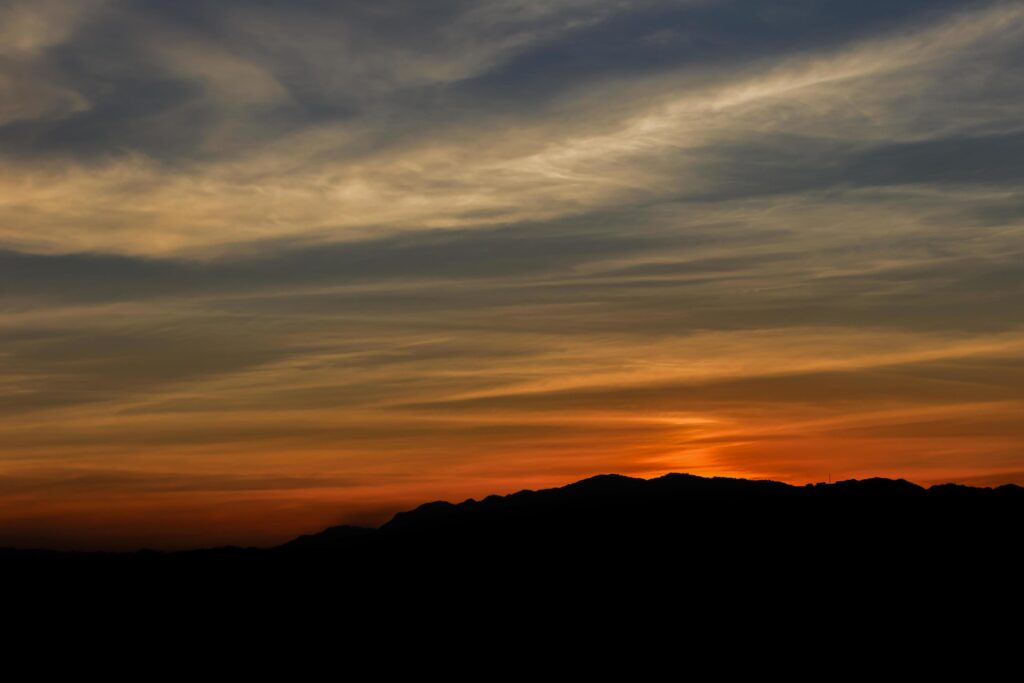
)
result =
(379, 252)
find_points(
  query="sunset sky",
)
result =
(268, 266)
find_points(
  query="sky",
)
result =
(268, 266)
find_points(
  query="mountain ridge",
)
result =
(607, 495)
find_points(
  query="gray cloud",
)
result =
(439, 255)
(162, 78)
(374, 242)
(964, 381)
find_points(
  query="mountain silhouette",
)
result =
(683, 513)
(612, 508)
(612, 534)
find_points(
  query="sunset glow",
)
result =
(271, 266)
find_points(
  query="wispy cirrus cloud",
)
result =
(433, 249)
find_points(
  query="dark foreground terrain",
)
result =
(674, 530)
(723, 568)
(609, 567)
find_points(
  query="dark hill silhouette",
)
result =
(680, 565)
(678, 507)
(685, 514)
(611, 533)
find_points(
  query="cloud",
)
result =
(443, 248)
(202, 114)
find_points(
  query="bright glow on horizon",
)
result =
(267, 268)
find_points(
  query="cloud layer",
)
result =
(266, 266)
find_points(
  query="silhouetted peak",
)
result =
(433, 511)
(676, 477)
(329, 537)
(956, 490)
(877, 486)
(604, 483)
